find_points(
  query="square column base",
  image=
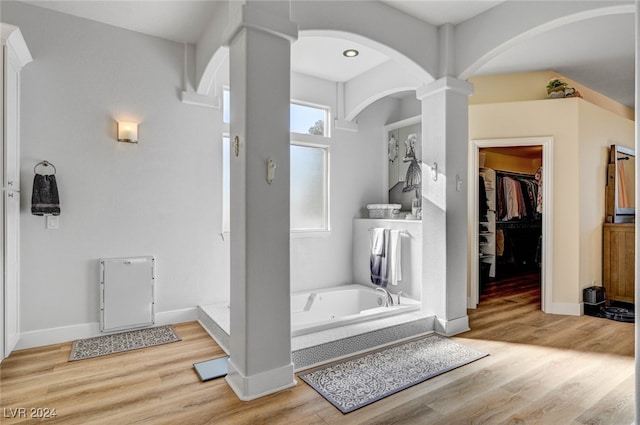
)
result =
(255, 386)
(452, 327)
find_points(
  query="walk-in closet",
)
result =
(510, 208)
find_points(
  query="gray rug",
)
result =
(357, 382)
(119, 342)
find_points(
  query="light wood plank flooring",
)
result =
(542, 369)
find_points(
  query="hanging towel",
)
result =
(394, 258)
(45, 199)
(377, 261)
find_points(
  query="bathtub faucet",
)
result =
(387, 296)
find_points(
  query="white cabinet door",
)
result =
(11, 270)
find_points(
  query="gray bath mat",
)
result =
(357, 382)
(124, 341)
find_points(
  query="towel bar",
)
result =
(45, 164)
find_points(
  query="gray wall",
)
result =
(159, 197)
(162, 196)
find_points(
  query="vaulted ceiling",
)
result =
(597, 52)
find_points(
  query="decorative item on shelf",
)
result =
(557, 88)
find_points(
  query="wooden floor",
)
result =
(542, 369)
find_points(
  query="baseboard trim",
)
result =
(452, 327)
(63, 334)
(251, 387)
(568, 309)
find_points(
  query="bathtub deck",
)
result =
(328, 345)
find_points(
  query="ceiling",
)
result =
(602, 60)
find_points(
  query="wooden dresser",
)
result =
(619, 261)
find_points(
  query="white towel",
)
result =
(377, 240)
(394, 258)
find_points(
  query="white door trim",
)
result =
(547, 219)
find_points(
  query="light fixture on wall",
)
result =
(351, 53)
(127, 132)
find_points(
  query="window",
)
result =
(309, 203)
(309, 168)
(309, 187)
(306, 119)
(226, 106)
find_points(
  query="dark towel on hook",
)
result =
(45, 199)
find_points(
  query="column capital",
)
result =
(445, 84)
(261, 19)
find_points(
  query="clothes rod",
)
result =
(515, 173)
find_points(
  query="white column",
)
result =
(260, 39)
(444, 202)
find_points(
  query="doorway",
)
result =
(511, 238)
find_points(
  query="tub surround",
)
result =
(328, 345)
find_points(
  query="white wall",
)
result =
(160, 197)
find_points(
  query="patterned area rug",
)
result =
(124, 341)
(357, 382)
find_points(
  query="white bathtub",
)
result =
(316, 310)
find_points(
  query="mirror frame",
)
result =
(614, 213)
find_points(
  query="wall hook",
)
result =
(271, 170)
(434, 171)
(236, 145)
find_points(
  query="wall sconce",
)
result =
(127, 132)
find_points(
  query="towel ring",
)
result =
(45, 164)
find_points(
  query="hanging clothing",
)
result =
(518, 198)
(538, 178)
(483, 204)
(499, 242)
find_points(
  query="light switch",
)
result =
(53, 222)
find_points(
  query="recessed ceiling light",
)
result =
(351, 53)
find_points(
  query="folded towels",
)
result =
(45, 199)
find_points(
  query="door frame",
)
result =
(546, 274)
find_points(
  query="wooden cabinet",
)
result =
(619, 262)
